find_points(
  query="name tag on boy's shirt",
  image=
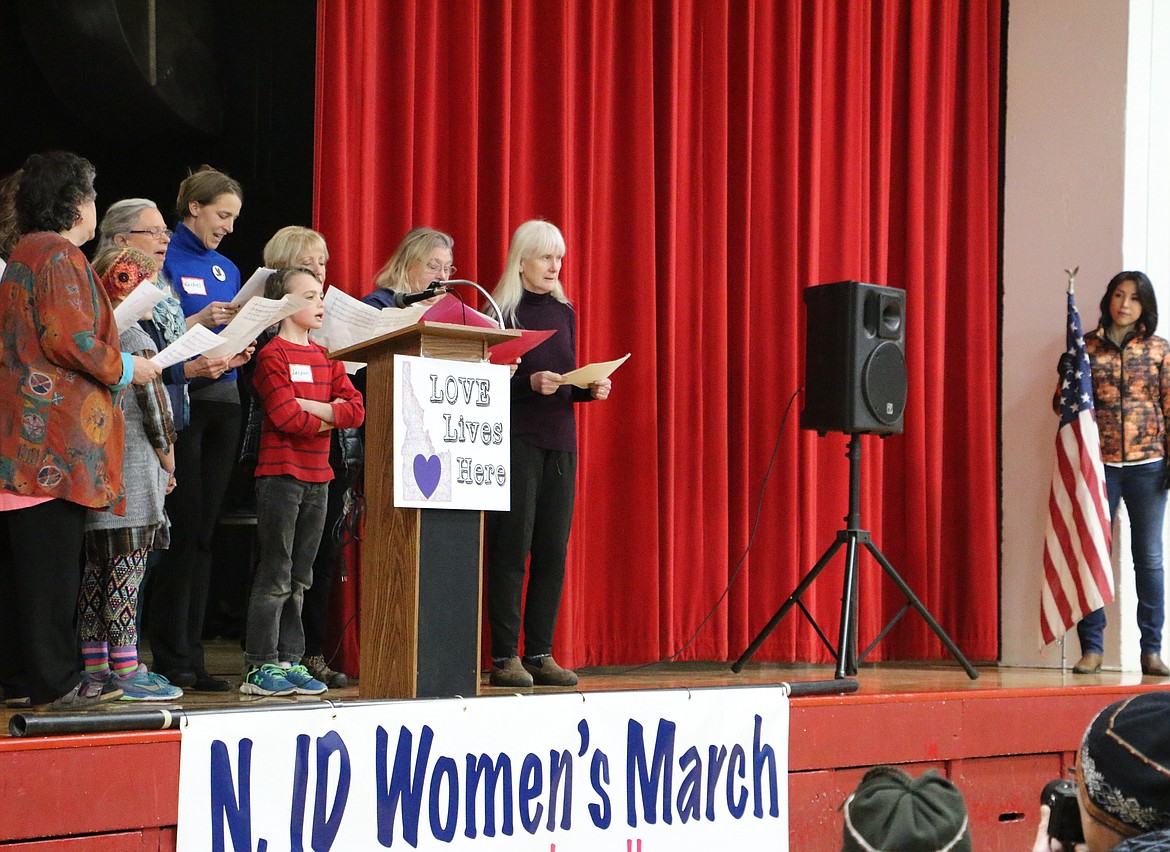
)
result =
(300, 373)
(193, 286)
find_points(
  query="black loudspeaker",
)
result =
(855, 359)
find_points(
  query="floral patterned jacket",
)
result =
(61, 374)
(1131, 391)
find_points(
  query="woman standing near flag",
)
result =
(1131, 392)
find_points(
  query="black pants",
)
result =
(205, 456)
(543, 484)
(315, 612)
(40, 574)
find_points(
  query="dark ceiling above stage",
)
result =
(147, 89)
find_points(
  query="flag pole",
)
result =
(1072, 278)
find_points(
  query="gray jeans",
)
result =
(290, 516)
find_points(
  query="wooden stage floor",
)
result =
(1000, 738)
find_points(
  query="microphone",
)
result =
(401, 300)
(463, 282)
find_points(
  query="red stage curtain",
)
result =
(707, 162)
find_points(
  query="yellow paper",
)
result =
(583, 377)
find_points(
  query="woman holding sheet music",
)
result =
(208, 204)
(138, 223)
(1131, 390)
(543, 465)
(61, 429)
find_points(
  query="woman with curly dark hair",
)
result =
(60, 427)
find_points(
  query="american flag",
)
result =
(1078, 576)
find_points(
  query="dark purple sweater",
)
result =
(547, 421)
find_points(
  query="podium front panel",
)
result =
(448, 603)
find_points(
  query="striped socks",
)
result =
(96, 656)
(124, 660)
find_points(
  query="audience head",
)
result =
(9, 232)
(536, 243)
(135, 222)
(892, 811)
(297, 246)
(1147, 323)
(1123, 771)
(423, 257)
(121, 270)
(56, 194)
(209, 203)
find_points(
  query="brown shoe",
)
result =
(1153, 666)
(511, 673)
(546, 672)
(1090, 663)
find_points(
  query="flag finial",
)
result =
(1072, 278)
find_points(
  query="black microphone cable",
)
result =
(746, 550)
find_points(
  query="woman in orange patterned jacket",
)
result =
(61, 374)
(1131, 392)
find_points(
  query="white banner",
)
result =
(651, 771)
(451, 444)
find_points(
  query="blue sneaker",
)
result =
(145, 685)
(303, 682)
(268, 679)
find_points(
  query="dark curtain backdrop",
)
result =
(708, 161)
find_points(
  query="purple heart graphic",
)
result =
(426, 473)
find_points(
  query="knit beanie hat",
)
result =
(123, 269)
(892, 812)
(1124, 764)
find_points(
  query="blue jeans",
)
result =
(1141, 488)
(290, 516)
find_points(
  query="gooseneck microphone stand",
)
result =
(850, 538)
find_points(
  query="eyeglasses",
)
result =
(157, 233)
(435, 266)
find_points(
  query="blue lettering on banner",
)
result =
(761, 756)
(296, 826)
(736, 805)
(224, 803)
(482, 767)
(476, 794)
(531, 783)
(600, 811)
(325, 828)
(638, 778)
(403, 786)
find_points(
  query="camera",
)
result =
(1064, 821)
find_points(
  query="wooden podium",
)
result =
(421, 579)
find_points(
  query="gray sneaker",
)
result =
(105, 688)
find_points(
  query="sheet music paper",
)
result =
(141, 301)
(583, 377)
(349, 321)
(197, 340)
(255, 316)
(253, 287)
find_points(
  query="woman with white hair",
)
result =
(138, 223)
(543, 465)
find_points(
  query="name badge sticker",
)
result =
(193, 286)
(300, 373)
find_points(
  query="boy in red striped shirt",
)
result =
(304, 395)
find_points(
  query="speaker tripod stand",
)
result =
(851, 538)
